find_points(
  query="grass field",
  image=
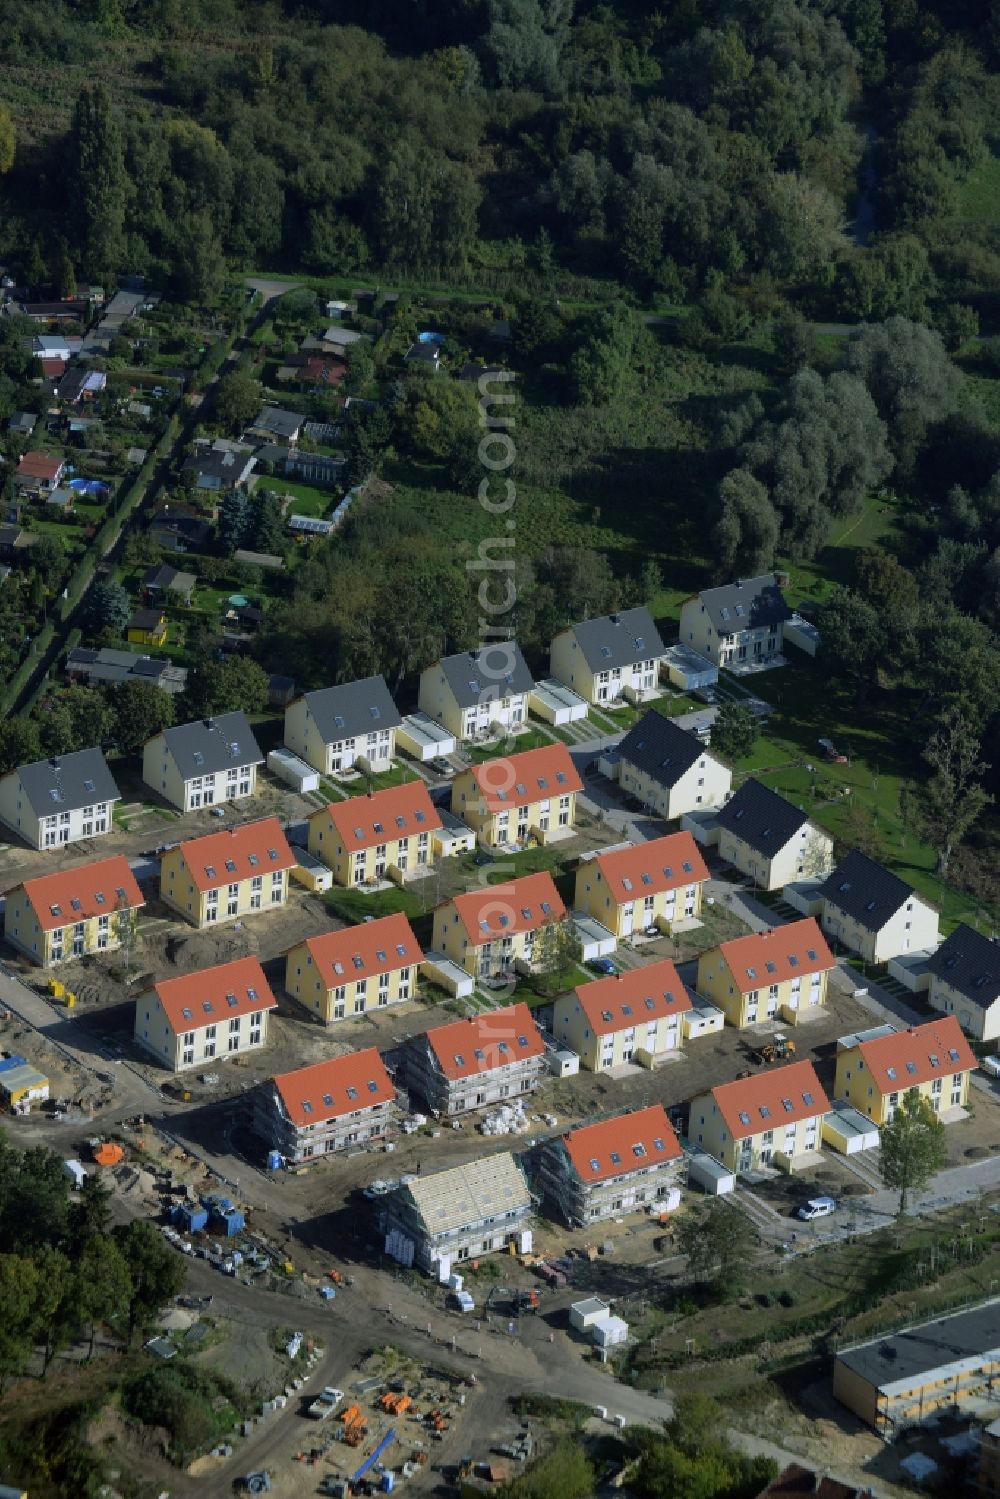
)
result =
(305, 499)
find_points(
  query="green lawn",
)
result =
(534, 739)
(811, 581)
(355, 905)
(305, 499)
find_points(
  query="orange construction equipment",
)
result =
(336, 1277)
(395, 1403)
(351, 1415)
(107, 1154)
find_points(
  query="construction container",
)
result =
(388, 1481)
(274, 1160)
(190, 1217)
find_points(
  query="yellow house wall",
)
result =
(592, 895)
(179, 891)
(303, 738)
(435, 698)
(324, 842)
(716, 981)
(22, 928)
(855, 1083)
(568, 665)
(467, 802)
(856, 1392)
(304, 984)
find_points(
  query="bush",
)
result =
(195, 1407)
(786, 1298)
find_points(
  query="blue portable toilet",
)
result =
(274, 1159)
(388, 1481)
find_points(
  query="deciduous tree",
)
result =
(736, 730)
(717, 1244)
(945, 808)
(912, 1147)
(141, 711)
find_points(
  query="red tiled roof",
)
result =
(340, 1085)
(638, 996)
(323, 371)
(491, 1039)
(647, 868)
(531, 776)
(40, 466)
(771, 1099)
(501, 910)
(53, 369)
(237, 853)
(396, 812)
(373, 947)
(772, 957)
(214, 995)
(85, 890)
(935, 1049)
(629, 1142)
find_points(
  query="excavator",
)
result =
(778, 1050)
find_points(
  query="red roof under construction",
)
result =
(629, 1142)
(338, 1086)
(493, 1038)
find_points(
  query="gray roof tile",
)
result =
(212, 744)
(761, 818)
(471, 674)
(618, 639)
(353, 708)
(68, 782)
(656, 746)
(970, 963)
(746, 604)
(864, 890)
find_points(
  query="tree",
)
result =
(267, 528)
(237, 401)
(48, 557)
(225, 686)
(20, 743)
(563, 1473)
(96, 182)
(796, 342)
(717, 1244)
(199, 265)
(18, 1287)
(736, 730)
(556, 948)
(8, 141)
(912, 1147)
(107, 608)
(103, 1283)
(856, 637)
(956, 322)
(141, 711)
(93, 1212)
(909, 376)
(55, 1300)
(945, 808)
(360, 362)
(155, 1271)
(235, 521)
(746, 533)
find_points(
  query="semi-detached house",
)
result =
(654, 884)
(228, 875)
(206, 1016)
(616, 1166)
(875, 913)
(74, 912)
(779, 974)
(490, 1058)
(774, 1118)
(62, 800)
(604, 660)
(479, 692)
(635, 1016)
(770, 839)
(738, 623)
(516, 797)
(384, 835)
(365, 967)
(204, 763)
(875, 1070)
(965, 982)
(338, 728)
(669, 770)
(487, 932)
(337, 1104)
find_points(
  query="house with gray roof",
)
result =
(668, 769)
(51, 803)
(22, 423)
(738, 625)
(875, 913)
(220, 465)
(205, 763)
(604, 660)
(965, 981)
(108, 667)
(275, 424)
(437, 1220)
(476, 693)
(338, 728)
(161, 581)
(770, 839)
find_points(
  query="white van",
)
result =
(816, 1207)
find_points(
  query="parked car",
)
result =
(816, 1207)
(602, 965)
(442, 767)
(217, 812)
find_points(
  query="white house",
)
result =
(669, 770)
(203, 763)
(339, 727)
(965, 981)
(874, 912)
(737, 625)
(59, 801)
(770, 839)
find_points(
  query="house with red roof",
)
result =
(338, 1104)
(516, 797)
(643, 886)
(772, 1118)
(227, 875)
(766, 975)
(38, 473)
(876, 1069)
(80, 910)
(361, 968)
(619, 1165)
(205, 1016)
(490, 931)
(492, 1057)
(384, 835)
(638, 1015)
